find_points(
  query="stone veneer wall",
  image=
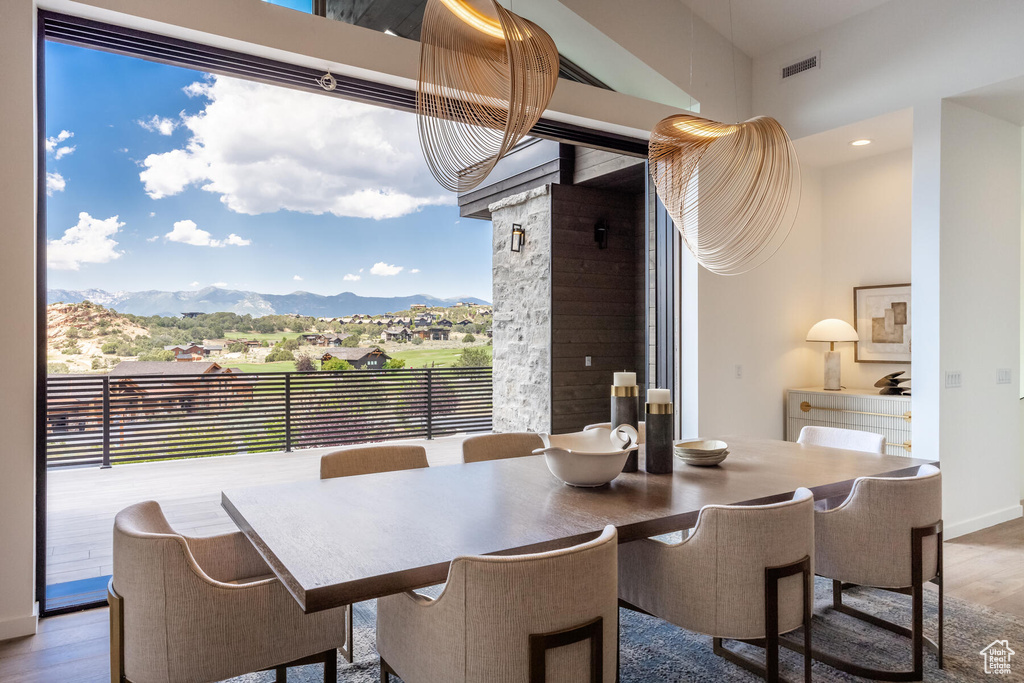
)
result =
(522, 313)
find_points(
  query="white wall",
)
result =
(17, 276)
(865, 241)
(895, 56)
(979, 316)
(759, 320)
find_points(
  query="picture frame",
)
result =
(882, 316)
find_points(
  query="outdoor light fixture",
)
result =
(601, 234)
(860, 143)
(486, 76)
(518, 237)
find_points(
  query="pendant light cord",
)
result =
(735, 85)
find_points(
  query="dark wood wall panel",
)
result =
(596, 300)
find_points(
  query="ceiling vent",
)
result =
(805, 64)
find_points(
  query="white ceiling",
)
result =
(759, 26)
(1003, 100)
(888, 133)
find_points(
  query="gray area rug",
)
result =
(654, 650)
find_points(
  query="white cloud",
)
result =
(90, 241)
(264, 148)
(159, 125)
(54, 147)
(381, 268)
(154, 238)
(55, 183)
(219, 284)
(297, 278)
(194, 284)
(352, 278)
(360, 270)
(414, 271)
(187, 232)
(152, 214)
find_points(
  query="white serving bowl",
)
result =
(700, 447)
(589, 458)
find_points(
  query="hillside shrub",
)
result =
(304, 364)
(280, 353)
(468, 339)
(416, 341)
(335, 365)
(394, 364)
(57, 369)
(473, 357)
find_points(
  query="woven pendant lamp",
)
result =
(486, 76)
(732, 189)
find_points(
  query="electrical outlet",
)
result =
(1004, 376)
(954, 379)
(586, 361)
(739, 372)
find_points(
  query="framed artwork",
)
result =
(882, 315)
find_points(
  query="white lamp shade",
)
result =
(832, 330)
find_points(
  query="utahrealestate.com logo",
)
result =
(997, 657)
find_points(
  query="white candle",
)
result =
(625, 379)
(659, 396)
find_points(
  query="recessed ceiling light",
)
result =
(860, 143)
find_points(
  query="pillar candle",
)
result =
(659, 396)
(625, 379)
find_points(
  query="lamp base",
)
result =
(832, 363)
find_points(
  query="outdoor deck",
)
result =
(82, 502)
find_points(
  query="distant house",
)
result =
(247, 343)
(314, 338)
(332, 339)
(191, 314)
(431, 333)
(417, 307)
(423, 321)
(445, 322)
(188, 352)
(464, 323)
(395, 334)
(370, 359)
(181, 386)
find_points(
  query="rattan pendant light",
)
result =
(486, 76)
(732, 189)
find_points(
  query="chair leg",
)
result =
(281, 674)
(331, 666)
(385, 671)
(915, 633)
(349, 646)
(116, 634)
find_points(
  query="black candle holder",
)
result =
(658, 439)
(626, 411)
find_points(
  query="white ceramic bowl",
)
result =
(700, 447)
(589, 458)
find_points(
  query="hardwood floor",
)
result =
(986, 567)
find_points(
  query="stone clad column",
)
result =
(522, 313)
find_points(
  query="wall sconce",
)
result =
(601, 234)
(518, 237)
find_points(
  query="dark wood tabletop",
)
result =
(338, 541)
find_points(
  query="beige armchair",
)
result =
(192, 610)
(500, 446)
(887, 534)
(351, 462)
(850, 439)
(743, 573)
(550, 616)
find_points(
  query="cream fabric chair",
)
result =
(500, 446)
(550, 616)
(744, 573)
(850, 439)
(352, 462)
(192, 610)
(887, 534)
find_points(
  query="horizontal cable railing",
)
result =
(102, 420)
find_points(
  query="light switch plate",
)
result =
(586, 361)
(739, 372)
(954, 379)
(1004, 376)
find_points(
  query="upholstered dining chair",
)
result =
(744, 573)
(350, 462)
(193, 610)
(850, 439)
(887, 534)
(546, 617)
(500, 446)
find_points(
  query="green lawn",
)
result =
(260, 336)
(421, 358)
(280, 366)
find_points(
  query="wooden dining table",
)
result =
(339, 541)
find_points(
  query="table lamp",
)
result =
(832, 330)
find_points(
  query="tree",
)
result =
(158, 354)
(304, 364)
(473, 357)
(289, 344)
(109, 347)
(351, 341)
(236, 347)
(97, 363)
(57, 369)
(468, 339)
(279, 354)
(416, 341)
(394, 364)
(73, 333)
(335, 365)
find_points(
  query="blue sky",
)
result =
(216, 181)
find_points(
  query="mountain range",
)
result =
(217, 300)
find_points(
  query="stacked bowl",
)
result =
(701, 452)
